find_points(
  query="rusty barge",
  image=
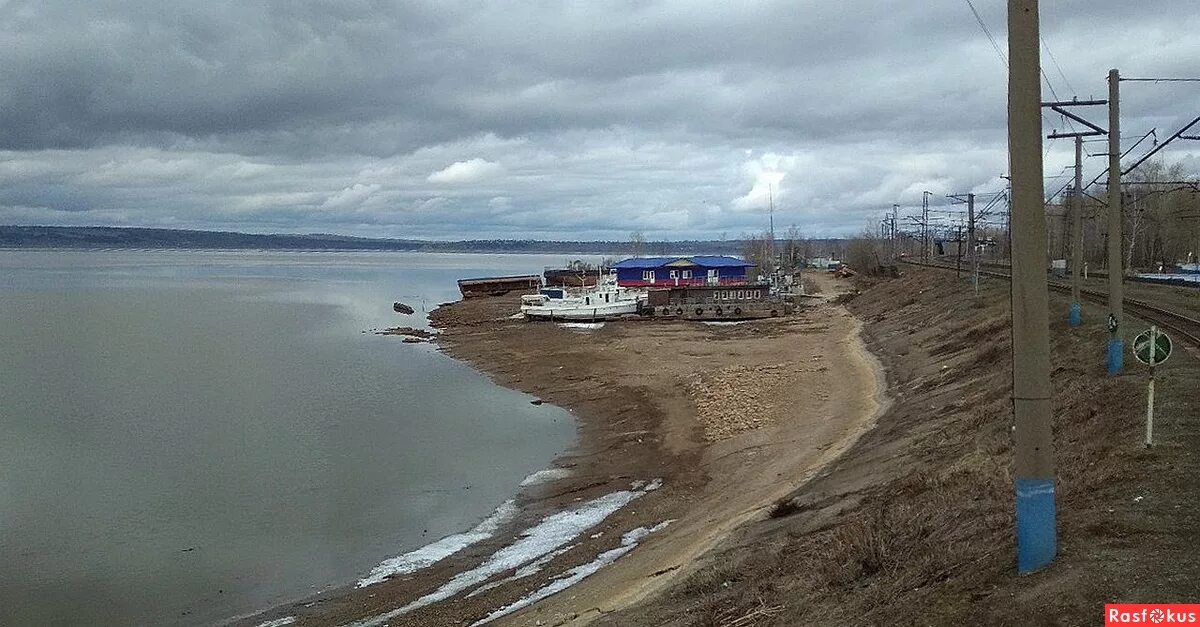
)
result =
(716, 302)
(497, 285)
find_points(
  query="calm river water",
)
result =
(190, 436)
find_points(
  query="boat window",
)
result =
(648, 275)
(674, 274)
(687, 274)
(741, 295)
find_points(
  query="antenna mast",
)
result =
(771, 213)
(771, 199)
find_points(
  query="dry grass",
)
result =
(929, 538)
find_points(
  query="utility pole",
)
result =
(971, 241)
(1036, 538)
(972, 255)
(1116, 274)
(1075, 313)
(925, 226)
(1075, 316)
(895, 241)
(958, 258)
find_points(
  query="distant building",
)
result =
(673, 271)
(823, 263)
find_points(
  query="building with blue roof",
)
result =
(673, 271)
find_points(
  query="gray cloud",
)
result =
(544, 119)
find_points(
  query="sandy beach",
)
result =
(727, 419)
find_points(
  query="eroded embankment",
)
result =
(913, 525)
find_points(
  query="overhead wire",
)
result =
(988, 32)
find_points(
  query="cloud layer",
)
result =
(547, 119)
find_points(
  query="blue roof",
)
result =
(706, 261)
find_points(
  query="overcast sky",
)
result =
(565, 120)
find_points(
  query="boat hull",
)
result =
(579, 314)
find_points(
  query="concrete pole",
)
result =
(971, 242)
(925, 227)
(895, 235)
(1036, 538)
(958, 257)
(1116, 274)
(1075, 316)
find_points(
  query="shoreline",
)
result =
(640, 392)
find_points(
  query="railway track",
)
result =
(1186, 328)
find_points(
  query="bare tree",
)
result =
(863, 253)
(792, 253)
(756, 249)
(637, 241)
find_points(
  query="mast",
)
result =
(771, 213)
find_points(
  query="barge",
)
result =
(716, 302)
(498, 285)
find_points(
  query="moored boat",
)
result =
(605, 300)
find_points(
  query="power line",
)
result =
(1050, 85)
(1162, 80)
(1004, 60)
(1055, 61)
(986, 31)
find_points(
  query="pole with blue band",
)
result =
(1116, 273)
(1034, 467)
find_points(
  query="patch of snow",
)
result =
(432, 553)
(278, 622)
(545, 476)
(551, 533)
(582, 326)
(532, 568)
(723, 323)
(629, 542)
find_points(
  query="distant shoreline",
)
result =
(104, 238)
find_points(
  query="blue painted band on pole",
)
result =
(1076, 315)
(1036, 541)
(1116, 356)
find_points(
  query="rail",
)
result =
(1185, 327)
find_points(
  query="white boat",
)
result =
(601, 302)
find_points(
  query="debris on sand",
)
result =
(410, 334)
(736, 399)
(401, 308)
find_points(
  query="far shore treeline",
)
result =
(123, 237)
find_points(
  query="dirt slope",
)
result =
(914, 524)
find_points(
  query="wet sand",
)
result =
(731, 418)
